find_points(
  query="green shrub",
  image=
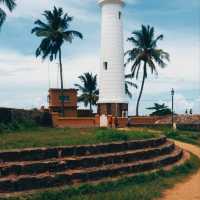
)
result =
(3, 127)
(17, 126)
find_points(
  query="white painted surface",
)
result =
(112, 81)
(103, 121)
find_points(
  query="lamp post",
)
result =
(172, 93)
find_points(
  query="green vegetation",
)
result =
(17, 126)
(128, 84)
(144, 55)
(185, 136)
(192, 137)
(140, 187)
(54, 32)
(10, 5)
(28, 134)
(47, 137)
(160, 110)
(90, 93)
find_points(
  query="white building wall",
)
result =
(112, 81)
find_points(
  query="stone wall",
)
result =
(144, 120)
(74, 122)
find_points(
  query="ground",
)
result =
(189, 189)
(142, 187)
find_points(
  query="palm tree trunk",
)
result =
(61, 82)
(90, 107)
(141, 90)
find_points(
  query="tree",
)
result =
(54, 33)
(90, 93)
(145, 55)
(129, 83)
(160, 110)
(10, 4)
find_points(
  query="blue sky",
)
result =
(24, 80)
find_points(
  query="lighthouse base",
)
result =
(114, 109)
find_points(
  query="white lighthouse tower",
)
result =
(112, 98)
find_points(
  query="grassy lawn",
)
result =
(192, 137)
(141, 187)
(47, 137)
(185, 136)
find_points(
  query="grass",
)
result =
(48, 137)
(192, 137)
(141, 187)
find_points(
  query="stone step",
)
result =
(62, 164)
(68, 177)
(35, 154)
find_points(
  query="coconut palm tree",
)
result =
(10, 4)
(54, 32)
(90, 93)
(129, 83)
(145, 55)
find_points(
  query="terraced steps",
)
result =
(79, 150)
(83, 163)
(61, 164)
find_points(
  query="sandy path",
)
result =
(189, 189)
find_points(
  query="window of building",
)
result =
(120, 15)
(105, 65)
(65, 98)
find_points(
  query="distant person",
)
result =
(186, 112)
(116, 122)
(110, 122)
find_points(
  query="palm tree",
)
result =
(88, 89)
(54, 33)
(160, 110)
(129, 83)
(10, 4)
(145, 52)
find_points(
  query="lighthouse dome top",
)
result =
(111, 1)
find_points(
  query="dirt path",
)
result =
(189, 189)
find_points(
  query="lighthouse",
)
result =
(112, 98)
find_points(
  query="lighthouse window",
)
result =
(105, 65)
(120, 14)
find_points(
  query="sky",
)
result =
(24, 80)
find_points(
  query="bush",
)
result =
(17, 126)
(111, 135)
(3, 127)
(44, 119)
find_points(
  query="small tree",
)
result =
(88, 88)
(160, 110)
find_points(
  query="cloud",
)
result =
(34, 9)
(24, 80)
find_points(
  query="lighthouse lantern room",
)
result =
(112, 98)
